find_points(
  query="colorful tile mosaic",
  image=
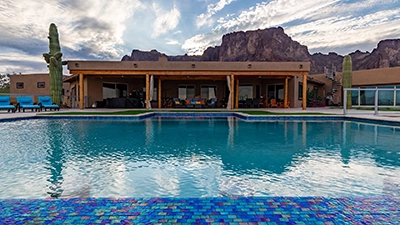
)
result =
(218, 211)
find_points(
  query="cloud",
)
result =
(172, 42)
(319, 24)
(82, 24)
(205, 18)
(165, 20)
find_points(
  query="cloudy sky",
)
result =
(110, 29)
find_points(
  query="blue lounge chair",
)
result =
(26, 102)
(45, 102)
(5, 104)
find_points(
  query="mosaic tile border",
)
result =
(216, 115)
(221, 210)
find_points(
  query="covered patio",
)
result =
(156, 80)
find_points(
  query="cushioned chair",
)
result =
(256, 103)
(190, 103)
(45, 102)
(212, 103)
(26, 102)
(274, 104)
(249, 103)
(5, 104)
(197, 103)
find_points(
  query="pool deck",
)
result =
(220, 210)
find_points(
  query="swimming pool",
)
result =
(197, 157)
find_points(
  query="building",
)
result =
(33, 85)
(93, 82)
(386, 78)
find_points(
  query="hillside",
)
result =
(274, 45)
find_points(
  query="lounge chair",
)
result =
(45, 102)
(26, 102)
(5, 104)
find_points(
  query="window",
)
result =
(300, 94)
(40, 85)
(276, 91)
(316, 90)
(20, 85)
(185, 91)
(386, 98)
(367, 97)
(354, 97)
(245, 92)
(113, 90)
(208, 92)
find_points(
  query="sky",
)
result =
(110, 29)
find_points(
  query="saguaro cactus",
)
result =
(53, 59)
(347, 78)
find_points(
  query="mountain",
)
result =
(273, 45)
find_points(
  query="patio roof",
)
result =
(187, 68)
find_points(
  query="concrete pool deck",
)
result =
(220, 210)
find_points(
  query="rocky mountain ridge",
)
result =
(273, 45)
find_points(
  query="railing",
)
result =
(376, 98)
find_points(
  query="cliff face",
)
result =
(387, 54)
(261, 45)
(273, 45)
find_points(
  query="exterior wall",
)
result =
(30, 82)
(384, 76)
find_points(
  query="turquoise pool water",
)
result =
(197, 158)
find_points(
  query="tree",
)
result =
(4, 83)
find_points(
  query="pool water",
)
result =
(191, 157)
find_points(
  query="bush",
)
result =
(313, 100)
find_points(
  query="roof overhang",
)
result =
(187, 68)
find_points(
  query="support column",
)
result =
(147, 91)
(81, 94)
(286, 89)
(159, 93)
(233, 91)
(237, 94)
(304, 91)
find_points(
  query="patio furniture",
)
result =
(26, 102)
(46, 102)
(177, 103)
(249, 103)
(5, 104)
(256, 103)
(213, 103)
(273, 103)
(242, 103)
(190, 103)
